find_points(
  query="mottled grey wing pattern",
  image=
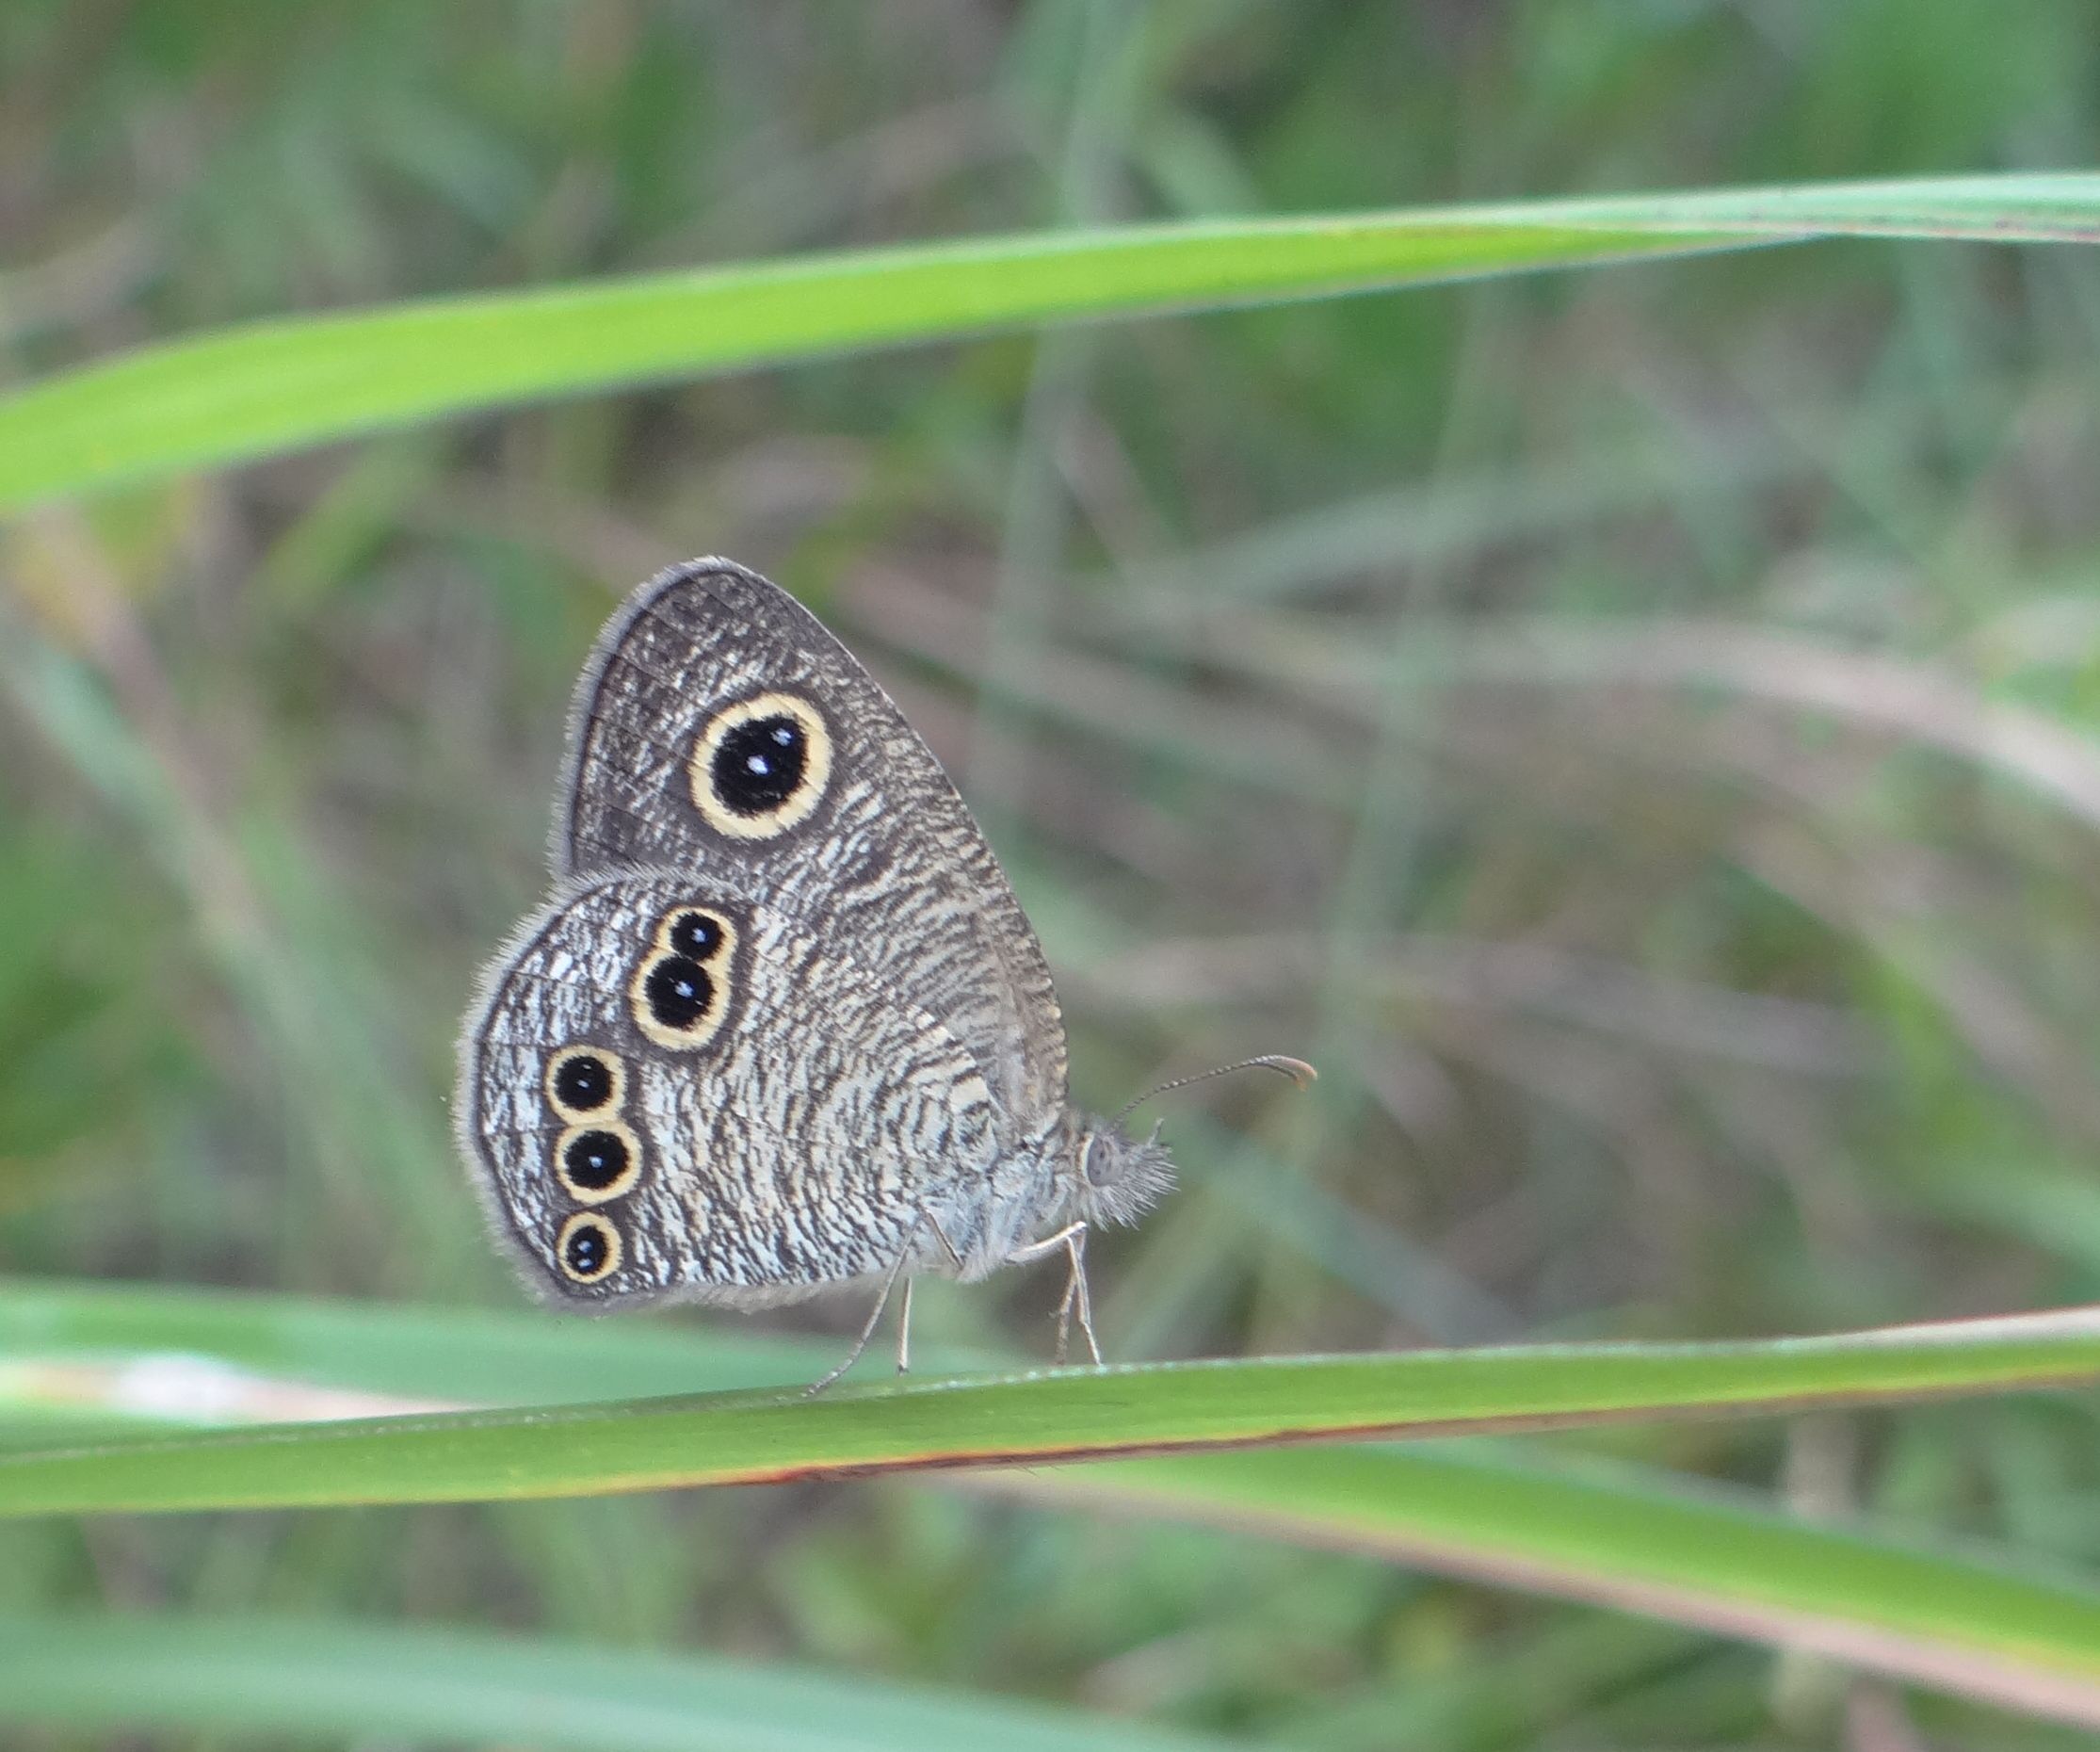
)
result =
(889, 862)
(678, 1091)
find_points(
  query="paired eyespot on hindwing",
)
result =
(760, 765)
(680, 989)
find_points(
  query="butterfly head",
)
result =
(1119, 1177)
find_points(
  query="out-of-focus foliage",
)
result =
(1634, 731)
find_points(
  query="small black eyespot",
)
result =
(758, 766)
(696, 936)
(583, 1081)
(587, 1250)
(594, 1160)
(679, 990)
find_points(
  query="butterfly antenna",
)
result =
(1296, 1069)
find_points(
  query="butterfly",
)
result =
(781, 1025)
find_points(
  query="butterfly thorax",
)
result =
(1084, 1170)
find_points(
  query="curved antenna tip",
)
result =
(1300, 1072)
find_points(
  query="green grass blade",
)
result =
(126, 1350)
(1967, 1622)
(1029, 1418)
(272, 386)
(1639, 1541)
(358, 1683)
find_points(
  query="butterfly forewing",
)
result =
(718, 728)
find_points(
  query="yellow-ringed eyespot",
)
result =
(583, 1081)
(698, 932)
(588, 1248)
(598, 1162)
(678, 1003)
(760, 765)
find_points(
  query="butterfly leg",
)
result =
(1073, 1239)
(904, 1314)
(947, 1246)
(874, 1319)
(1077, 1297)
(904, 1331)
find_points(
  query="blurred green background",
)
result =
(1632, 729)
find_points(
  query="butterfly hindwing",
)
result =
(720, 728)
(672, 1090)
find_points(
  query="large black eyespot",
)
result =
(594, 1160)
(679, 992)
(697, 936)
(599, 1162)
(588, 1248)
(759, 765)
(582, 1082)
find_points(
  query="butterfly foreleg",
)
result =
(1075, 1300)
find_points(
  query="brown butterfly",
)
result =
(782, 1026)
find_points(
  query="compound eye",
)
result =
(1094, 1160)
